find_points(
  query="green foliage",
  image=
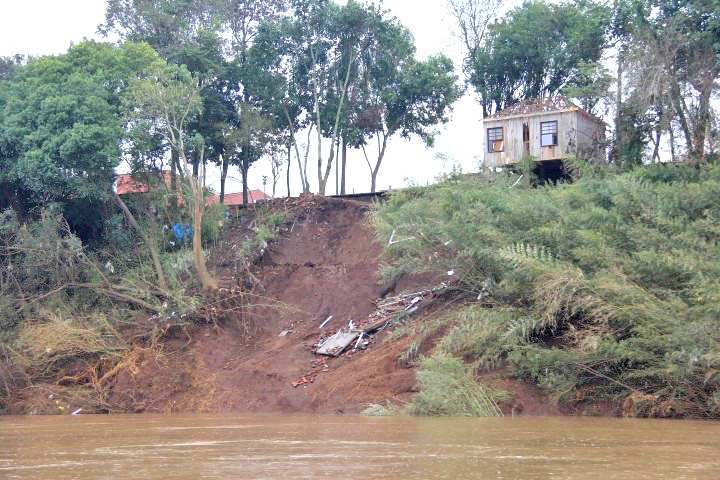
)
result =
(375, 410)
(447, 388)
(266, 230)
(619, 269)
(537, 50)
(276, 219)
(592, 85)
(61, 125)
(117, 236)
(487, 335)
(212, 222)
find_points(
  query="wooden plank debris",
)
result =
(325, 322)
(336, 344)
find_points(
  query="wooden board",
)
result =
(336, 344)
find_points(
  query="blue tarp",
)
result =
(183, 233)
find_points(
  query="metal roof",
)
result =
(532, 106)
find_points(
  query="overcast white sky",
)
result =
(43, 27)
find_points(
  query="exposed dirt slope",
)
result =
(325, 264)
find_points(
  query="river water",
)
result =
(235, 447)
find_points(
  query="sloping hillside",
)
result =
(323, 264)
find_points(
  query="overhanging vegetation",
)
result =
(605, 290)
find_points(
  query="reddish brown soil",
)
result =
(324, 263)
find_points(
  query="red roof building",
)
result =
(132, 183)
(235, 199)
(129, 183)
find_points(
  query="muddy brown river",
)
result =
(236, 447)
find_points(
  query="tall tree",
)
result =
(168, 97)
(333, 39)
(675, 60)
(314, 60)
(536, 51)
(166, 25)
(277, 86)
(62, 126)
(61, 129)
(406, 97)
(240, 21)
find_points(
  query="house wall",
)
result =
(590, 138)
(570, 123)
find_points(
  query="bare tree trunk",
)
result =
(337, 168)
(678, 101)
(302, 165)
(671, 130)
(703, 119)
(344, 163)
(618, 102)
(223, 177)
(195, 164)
(206, 280)
(288, 170)
(162, 284)
(316, 101)
(244, 167)
(656, 141)
(381, 155)
(341, 104)
(204, 171)
(173, 178)
(303, 175)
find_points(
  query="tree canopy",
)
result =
(61, 124)
(536, 51)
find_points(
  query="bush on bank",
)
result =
(604, 289)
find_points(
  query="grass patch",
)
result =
(447, 388)
(377, 410)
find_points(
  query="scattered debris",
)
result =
(317, 366)
(76, 412)
(337, 343)
(413, 302)
(451, 273)
(284, 333)
(392, 240)
(301, 381)
(325, 322)
(357, 344)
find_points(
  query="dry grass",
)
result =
(51, 340)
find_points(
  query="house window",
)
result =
(548, 134)
(495, 139)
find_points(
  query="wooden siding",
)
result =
(590, 138)
(574, 130)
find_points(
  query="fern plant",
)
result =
(521, 254)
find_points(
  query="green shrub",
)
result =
(117, 236)
(618, 268)
(276, 219)
(375, 410)
(447, 388)
(212, 222)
